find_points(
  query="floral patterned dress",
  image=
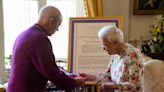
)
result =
(126, 71)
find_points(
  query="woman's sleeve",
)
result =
(108, 70)
(131, 79)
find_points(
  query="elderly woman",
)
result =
(124, 72)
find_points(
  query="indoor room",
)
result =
(75, 45)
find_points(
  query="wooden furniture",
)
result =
(87, 87)
(157, 55)
(2, 90)
(91, 87)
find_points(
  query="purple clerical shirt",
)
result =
(33, 63)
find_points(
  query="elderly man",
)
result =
(33, 62)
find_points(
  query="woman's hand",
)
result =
(88, 77)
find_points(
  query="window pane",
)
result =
(60, 39)
(16, 19)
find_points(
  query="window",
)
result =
(60, 39)
(19, 17)
(16, 19)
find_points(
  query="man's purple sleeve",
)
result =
(44, 61)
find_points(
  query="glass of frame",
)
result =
(148, 7)
(85, 53)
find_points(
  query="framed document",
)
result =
(85, 53)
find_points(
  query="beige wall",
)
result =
(134, 26)
(118, 8)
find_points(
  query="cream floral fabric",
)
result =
(127, 70)
(154, 76)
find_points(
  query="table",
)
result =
(91, 87)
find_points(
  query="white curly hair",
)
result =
(111, 33)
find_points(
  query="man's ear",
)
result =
(52, 20)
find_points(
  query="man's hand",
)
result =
(88, 77)
(79, 80)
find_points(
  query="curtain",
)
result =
(93, 8)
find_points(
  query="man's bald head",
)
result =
(48, 12)
(50, 19)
